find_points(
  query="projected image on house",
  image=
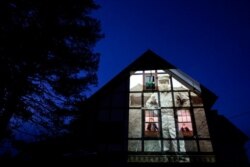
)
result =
(167, 121)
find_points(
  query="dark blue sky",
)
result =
(207, 39)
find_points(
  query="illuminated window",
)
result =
(167, 120)
(152, 128)
(150, 82)
(184, 123)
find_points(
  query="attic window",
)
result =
(167, 120)
(150, 82)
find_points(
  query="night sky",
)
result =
(207, 39)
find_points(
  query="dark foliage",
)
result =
(47, 62)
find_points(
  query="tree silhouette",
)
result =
(47, 62)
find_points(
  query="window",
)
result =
(150, 82)
(167, 121)
(152, 128)
(184, 123)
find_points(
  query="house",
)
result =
(152, 113)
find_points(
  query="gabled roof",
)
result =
(151, 61)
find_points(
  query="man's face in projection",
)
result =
(163, 83)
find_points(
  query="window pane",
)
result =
(152, 145)
(178, 86)
(138, 72)
(149, 71)
(151, 100)
(160, 71)
(196, 100)
(191, 146)
(201, 123)
(181, 99)
(186, 78)
(150, 81)
(134, 145)
(170, 146)
(163, 82)
(134, 123)
(136, 83)
(166, 99)
(205, 146)
(185, 129)
(135, 100)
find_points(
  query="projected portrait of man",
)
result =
(167, 99)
